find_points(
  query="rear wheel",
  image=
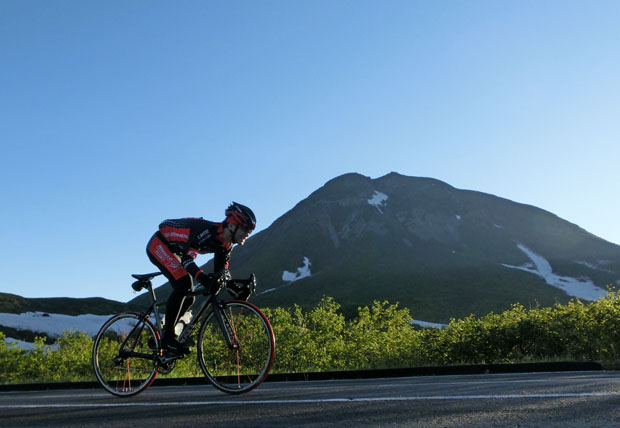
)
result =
(124, 354)
(246, 364)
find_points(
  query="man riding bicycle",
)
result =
(173, 249)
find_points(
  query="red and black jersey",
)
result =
(188, 237)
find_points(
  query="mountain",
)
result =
(13, 304)
(23, 319)
(442, 252)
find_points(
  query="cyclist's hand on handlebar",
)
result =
(238, 291)
(242, 289)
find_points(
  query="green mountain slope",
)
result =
(440, 251)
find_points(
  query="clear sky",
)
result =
(115, 115)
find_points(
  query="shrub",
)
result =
(379, 336)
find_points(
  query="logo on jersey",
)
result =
(175, 234)
(205, 234)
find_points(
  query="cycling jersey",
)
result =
(177, 243)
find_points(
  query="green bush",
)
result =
(382, 336)
(11, 359)
(379, 336)
(312, 341)
(575, 331)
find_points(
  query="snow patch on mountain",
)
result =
(28, 346)
(594, 266)
(301, 272)
(580, 288)
(378, 200)
(54, 324)
(427, 324)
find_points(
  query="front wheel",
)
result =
(124, 354)
(245, 364)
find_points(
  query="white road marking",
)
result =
(312, 401)
(461, 383)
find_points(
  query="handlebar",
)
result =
(144, 281)
(249, 281)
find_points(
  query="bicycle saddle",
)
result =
(145, 276)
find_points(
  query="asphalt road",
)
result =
(566, 399)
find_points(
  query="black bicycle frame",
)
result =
(135, 333)
(213, 301)
(217, 307)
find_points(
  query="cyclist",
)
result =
(173, 249)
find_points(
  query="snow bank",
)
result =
(302, 272)
(581, 288)
(27, 345)
(54, 324)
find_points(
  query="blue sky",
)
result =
(116, 115)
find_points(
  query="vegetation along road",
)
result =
(567, 399)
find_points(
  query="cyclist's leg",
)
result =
(181, 282)
(166, 261)
(187, 303)
(177, 304)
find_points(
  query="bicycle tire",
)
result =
(117, 371)
(240, 370)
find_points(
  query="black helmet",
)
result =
(240, 215)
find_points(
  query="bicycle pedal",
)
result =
(166, 360)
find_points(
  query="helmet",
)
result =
(240, 215)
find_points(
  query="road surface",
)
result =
(566, 399)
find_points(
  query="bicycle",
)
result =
(235, 343)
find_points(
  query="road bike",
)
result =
(235, 343)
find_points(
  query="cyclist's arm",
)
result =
(190, 265)
(220, 263)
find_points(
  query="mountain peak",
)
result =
(348, 178)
